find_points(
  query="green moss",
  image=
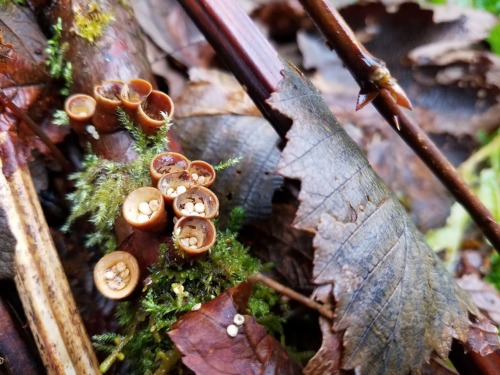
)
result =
(228, 163)
(176, 287)
(60, 118)
(91, 22)
(102, 185)
(494, 275)
(59, 67)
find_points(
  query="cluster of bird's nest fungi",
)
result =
(179, 195)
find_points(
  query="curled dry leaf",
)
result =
(207, 348)
(215, 121)
(483, 337)
(395, 302)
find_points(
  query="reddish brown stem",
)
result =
(292, 294)
(240, 44)
(21, 115)
(361, 63)
(474, 363)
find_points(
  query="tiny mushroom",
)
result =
(144, 209)
(195, 235)
(116, 275)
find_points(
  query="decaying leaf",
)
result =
(24, 80)
(201, 336)
(395, 302)
(21, 48)
(483, 337)
(168, 25)
(327, 358)
(216, 121)
(484, 295)
(288, 249)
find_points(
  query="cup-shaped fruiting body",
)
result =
(167, 162)
(133, 94)
(107, 96)
(174, 184)
(149, 113)
(197, 201)
(144, 209)
(80, 109)
(116, 275)
(202, 173)
(194, 235)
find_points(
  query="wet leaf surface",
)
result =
(216, 121)
(22, 44)
(25, 82)
(207, 348)
(395, 302)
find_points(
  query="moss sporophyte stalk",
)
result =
(163, 195)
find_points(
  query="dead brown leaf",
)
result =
(207, 348)
(215, 121)
(168, 25)
(22, 61)
(484, 295)
(395, 302)
(288, 249)
(24, 80)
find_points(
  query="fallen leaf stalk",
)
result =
(387, 101)
(292, 294)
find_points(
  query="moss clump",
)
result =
(174, 289)
(102, 185)
(59, 67)
(91, 22)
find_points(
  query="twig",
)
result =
(21, 115)
(364, 68)
(40, 280)
(292, 294)
(241, 45)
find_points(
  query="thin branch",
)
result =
(388, 102)
(21, 115)
(292, 294)
(242, 47)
